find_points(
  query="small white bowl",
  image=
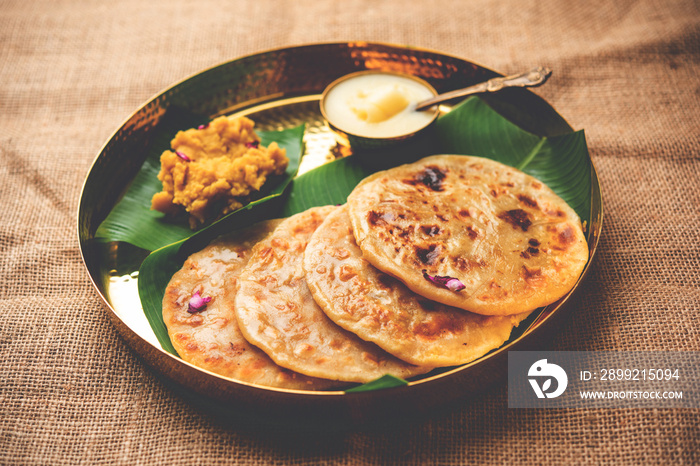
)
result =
(405, 125)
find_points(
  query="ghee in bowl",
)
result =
(377, 108)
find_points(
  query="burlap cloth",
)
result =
(72, 391)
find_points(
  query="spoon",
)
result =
(534, 77)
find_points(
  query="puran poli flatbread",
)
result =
(379, 308)
(210, 339)
(277, 313)
(509, 239)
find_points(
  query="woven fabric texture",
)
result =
(73, 392)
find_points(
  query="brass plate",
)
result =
(279, 89)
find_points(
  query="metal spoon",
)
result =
(534, 77)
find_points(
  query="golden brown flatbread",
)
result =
(379, 308)
(470, 232)
(207, 334)
(277, 313)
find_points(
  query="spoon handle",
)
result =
(534, 77)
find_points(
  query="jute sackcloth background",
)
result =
(73, 392)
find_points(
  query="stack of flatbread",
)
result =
(427, 265)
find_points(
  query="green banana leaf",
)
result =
(471, 128)
(561, 162)
(132, 220)
(385, 381)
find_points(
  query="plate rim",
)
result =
(146, 349)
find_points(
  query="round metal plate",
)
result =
(280, 89)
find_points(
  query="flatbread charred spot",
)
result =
(404, 233)
(471, 232)
(265, 254)
(527, 200)
(565, 238)
(497, 190)
(308, 227)
(532, 249)
(529, 252)
(181, 338)
(531, 274)
(557, 213)
(376, 218)
(466, 265)
(236, 349)
(213, 358)
(429, 255)
(518, 218)
(431, 177)
(430, 230)
(304, 348)
(279, 243)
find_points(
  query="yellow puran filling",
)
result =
(215, 169)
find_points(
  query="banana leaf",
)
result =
(132, 220)
(385, 381)
(561, 162)
(471, 128)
